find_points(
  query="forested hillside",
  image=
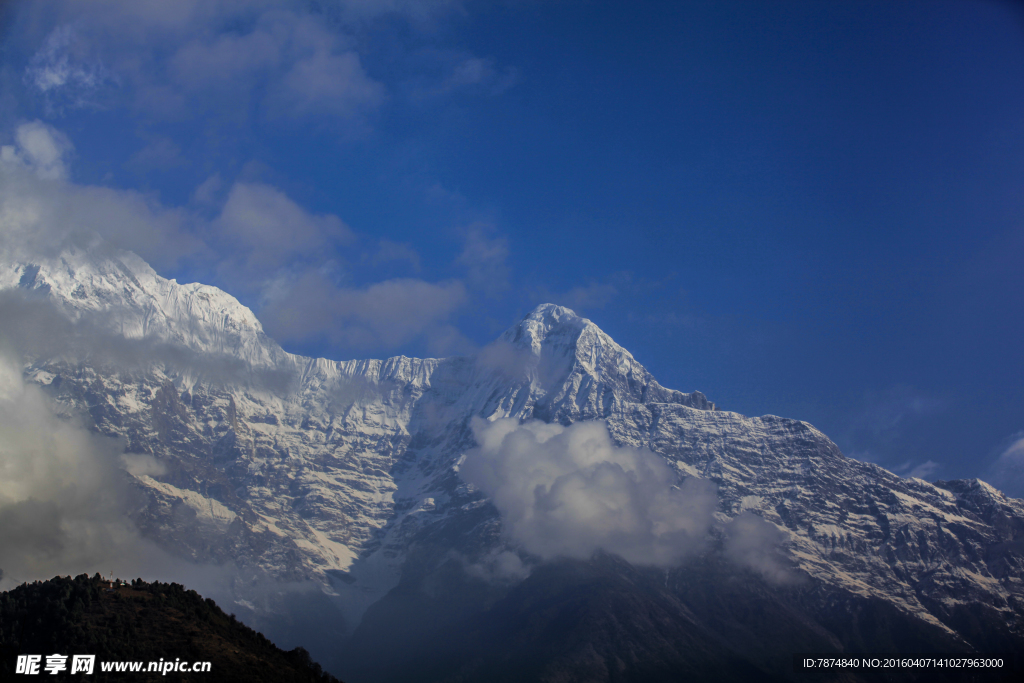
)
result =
(139, 622)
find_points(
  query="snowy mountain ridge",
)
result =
(144, 305)
(340, 475)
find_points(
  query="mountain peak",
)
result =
(546, 326)
(581, 368)
(552, 313)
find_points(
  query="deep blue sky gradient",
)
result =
(812, 209)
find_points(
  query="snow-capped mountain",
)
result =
(137, 303)
(346, 473)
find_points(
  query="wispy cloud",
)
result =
(327, 83)
(875, 429)
(375, 318)
(914, 470)
(209, 191)
(446, 72)
(889, 409)
(484, 255)
(1007, 472)
(221, 57)
(63, 74)
(265, 244)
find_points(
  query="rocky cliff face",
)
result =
(346, 474)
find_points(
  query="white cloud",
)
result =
(208, 191)
(445, 72)
(305, 68)
(471, 71)
(498, 566)
(752, 542)
(212, 61)
(569, 491)
(444, 340)
(261, 242)
(909, 468)
(41, 148)
(264, 227)
(508, 359)
(259, 229)
(176, 59)
(477, 72)
(62, 74)
(140, 464)
(381, 316)
(59, 490)
(64, 503)
(334, 84)
(160, 153)
(44, 216)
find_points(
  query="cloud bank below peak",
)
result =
(570, 491)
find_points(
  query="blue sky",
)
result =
(811, 209)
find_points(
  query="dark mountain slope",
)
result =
(140, 622)
(604, 620)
